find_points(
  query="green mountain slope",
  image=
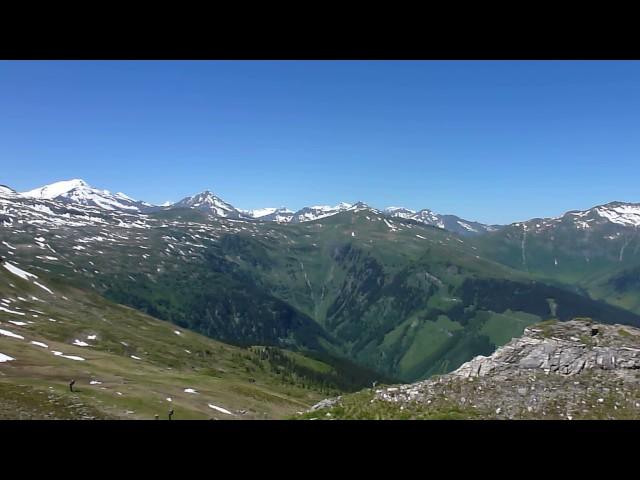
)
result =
(405, 299)
(129, 365)
(583, 250)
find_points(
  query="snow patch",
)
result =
(7, 333)
(627, 215)
(220, 409)
(5, 358)
(70, 357)
(17, 271)
(3, 309)
(42, 287)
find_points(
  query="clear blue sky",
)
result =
(490, 141)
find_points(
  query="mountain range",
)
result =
(388, 294)
(78, 192)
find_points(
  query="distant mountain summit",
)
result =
(316, 212)
(360, 206)
(308, 214)
(271, 214)
(208, 202)
(79, 192)
(613, 214)
(57, 189)
(447, 222)
(400, 212)
(7, 191)
(620, 213)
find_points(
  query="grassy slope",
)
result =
(35, 384)
(447, 406)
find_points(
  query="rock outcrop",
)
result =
(563, 348)
(326, 403)
(556, 370)
(575, 369)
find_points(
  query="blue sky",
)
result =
(496, 141)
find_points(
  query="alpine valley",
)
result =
(219, 312)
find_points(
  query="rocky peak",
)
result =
(399, 212)
(209, 202)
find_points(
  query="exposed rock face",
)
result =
(326, 403)
(556, 370)
(575, 369)
(563, 348)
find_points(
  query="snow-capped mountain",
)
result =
(627, 214)
(7, 191)
(447, 222)
(400, 212)
(79, 192)
(210, 203)
(271, 214)
(428, 217)
(599, 247)
(360, 206)
(613, 214)
(308, 214)
(466, 227)
(54, 190)
(316, 212)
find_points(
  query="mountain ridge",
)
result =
(77, 191)
(80, 192)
